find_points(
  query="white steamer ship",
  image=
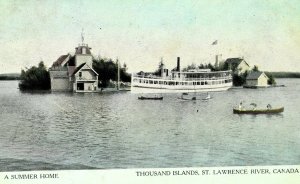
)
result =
(177, 81)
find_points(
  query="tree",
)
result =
(189, 67)
(239, 80)
(271, 80)
(225, 66)
(201, 66)
(160, 67)
(255, 68)
(211, 67)
(35, 78)
(108, 70)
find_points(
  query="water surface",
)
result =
(115, 130)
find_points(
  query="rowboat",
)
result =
(192, 98)
(258, 111)
(149, 98)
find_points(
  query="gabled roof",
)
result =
(81, 66)
(254, 75)
(78, 50)
(78, 68)
(60, 60)
(236, 61)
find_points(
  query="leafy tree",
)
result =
(224, 66)
(124, 76)
(271, 80)
(201, 66)
(108, 70)
(190, 67)
(255, 68)
(35, 78)
(239, 80)
(211, 67)
(160, 66)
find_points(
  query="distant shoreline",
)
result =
(284, 74)
(10, 76)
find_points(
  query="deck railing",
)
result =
(181, 79)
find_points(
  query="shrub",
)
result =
(35, 78)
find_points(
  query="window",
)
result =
(80, 75)
(83, 50)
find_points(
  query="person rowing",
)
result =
(241, 106)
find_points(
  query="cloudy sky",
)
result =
(139, 32)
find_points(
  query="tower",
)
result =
(83, 53)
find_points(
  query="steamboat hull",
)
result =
(153, 89)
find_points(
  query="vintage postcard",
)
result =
(149, 91)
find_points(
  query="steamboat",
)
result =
(177, 81)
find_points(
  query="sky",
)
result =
(141, 32)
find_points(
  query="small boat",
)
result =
(187, 98)
(193, 98)
(150, 98)
(207, 97)
(258, 111)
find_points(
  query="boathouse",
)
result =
(257, 79)
(237, 65)
(74, 72)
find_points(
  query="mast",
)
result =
(82, 37)
(118, 79)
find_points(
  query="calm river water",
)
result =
(116, 130)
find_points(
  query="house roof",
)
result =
(254, 75)
(60, 60)
(80, 67)
(235, 61)
(78, 50)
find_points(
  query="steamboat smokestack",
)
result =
(217, 61)
(178, 64)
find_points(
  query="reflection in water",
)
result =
(115, 130)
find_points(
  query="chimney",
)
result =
(178, 64)
(217, 61)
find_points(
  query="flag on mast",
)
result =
(215, 42)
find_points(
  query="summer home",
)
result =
(237, 65)
(257, 79)
(74, 73)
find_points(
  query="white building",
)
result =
(74, 73)
(257, 79)
(237, 65)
